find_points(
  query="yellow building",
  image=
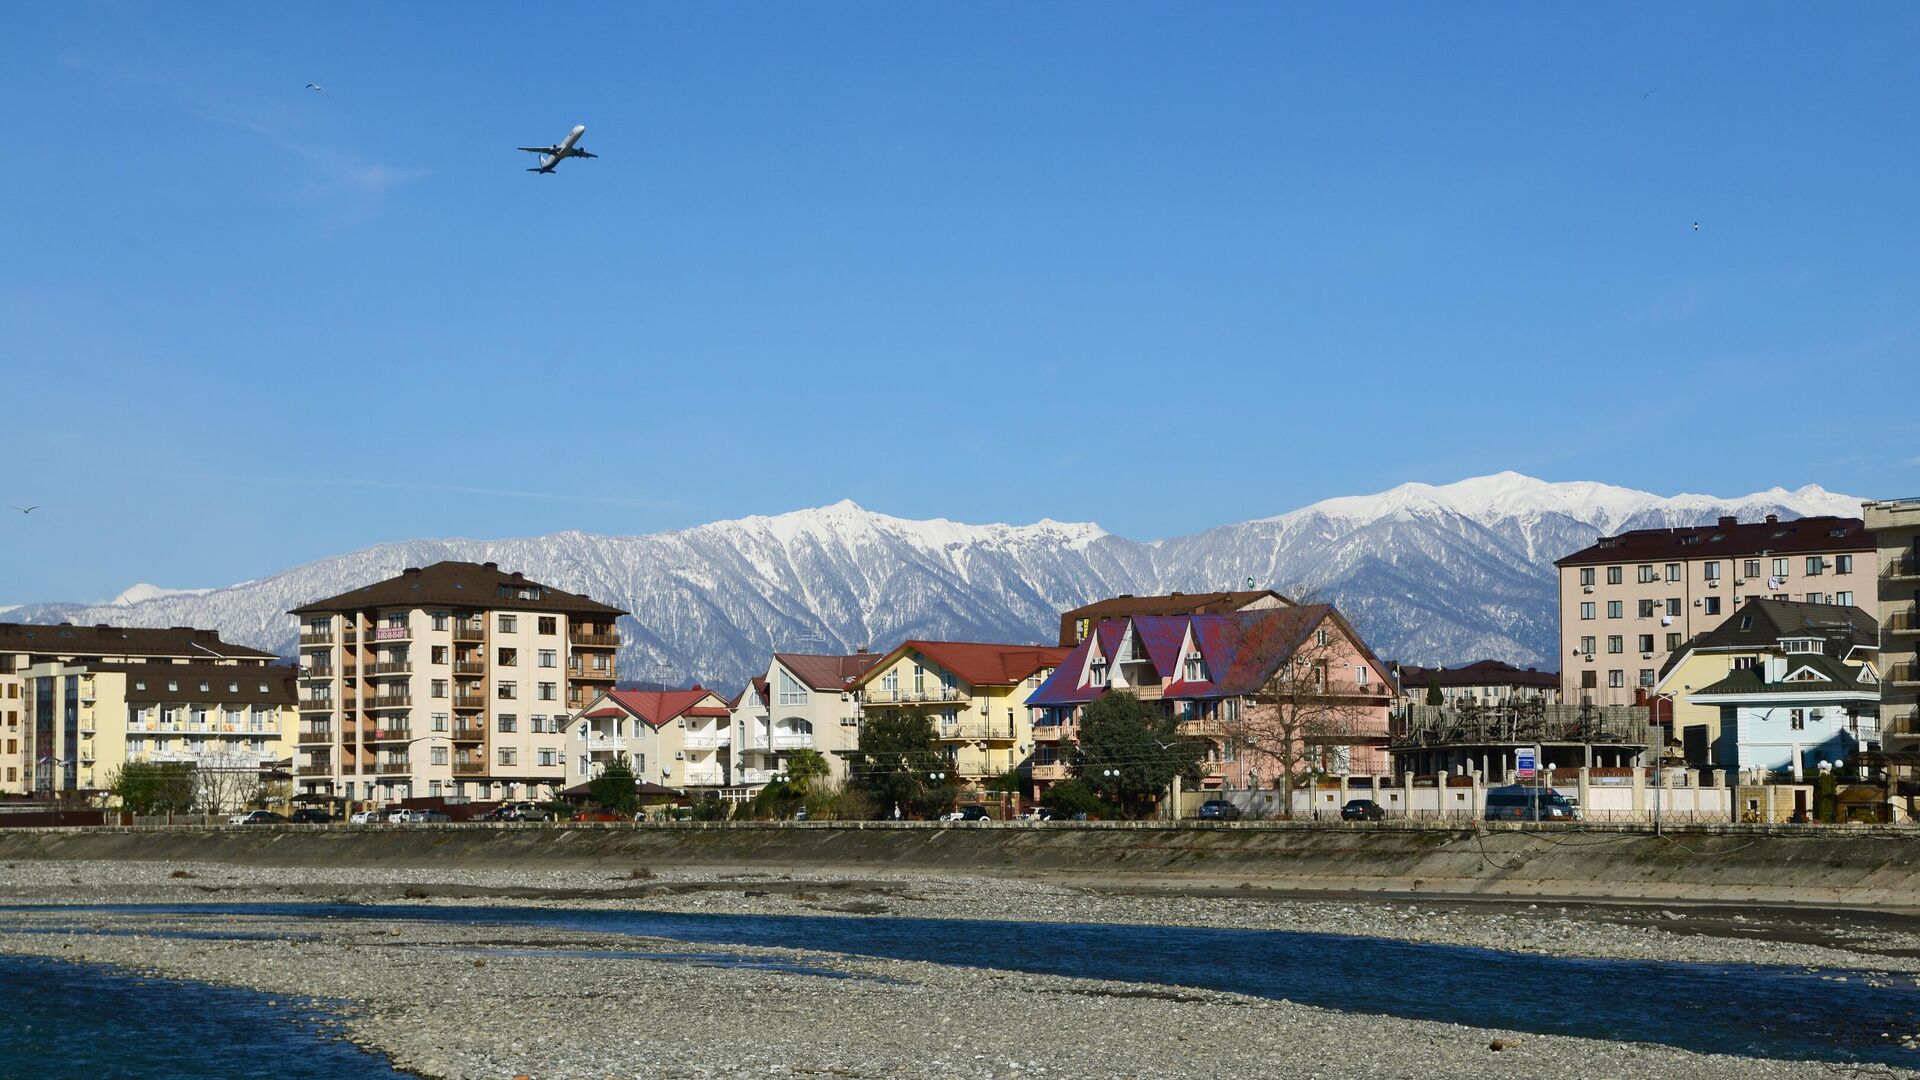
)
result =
(973, 694)
(1761, 628)
(48, 746)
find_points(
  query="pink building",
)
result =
(1246, 682)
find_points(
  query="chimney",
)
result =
(1729, 522)
(1773, 519)
(1775, 669)
(410, 570)
(517, 575)
(102, 626)
(491, 565)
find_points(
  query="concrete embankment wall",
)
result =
(1835, 865)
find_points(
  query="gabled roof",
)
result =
(1838, 678)
(269, 684)
(1478, 673)
(979, 663)
(1762, 624)
(479, 586)
(105, 641)
(1728, 539)
(757, 688)
(1199, 603)
(836, 673)
(657, 707)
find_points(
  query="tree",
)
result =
(146, 787)
(896, 763)
(806, 766)
(225, 783)
(615, 787)
(1434, 697)
(1308, 706)
(1070, 798)
(1129, 752)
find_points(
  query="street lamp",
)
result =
(1660, 755)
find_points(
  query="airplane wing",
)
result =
(583, 153)
(539, 149)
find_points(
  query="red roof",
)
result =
(656, 707)
(986, 663)
(824, 672)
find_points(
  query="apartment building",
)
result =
(804, 702)
(454, 680)
(1226, 678)
(1628, 602)
(1896, 526)
(674, 738)
(52, 741)
(973, 695)
(1076, 624)
(1485, 683)
(1761, 629)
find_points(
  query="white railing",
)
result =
(703, 777)
(606, 742)
(707, 742)
(792, 742)
(914, 697)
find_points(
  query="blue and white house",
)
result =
(1795, 711)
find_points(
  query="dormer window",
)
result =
(1195, 668)
(1097, 673)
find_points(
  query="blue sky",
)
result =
(1160, 267)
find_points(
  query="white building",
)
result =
(675, 738)
(804, 702)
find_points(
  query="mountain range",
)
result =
(1428, 574)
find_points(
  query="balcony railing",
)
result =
(395, 768)
(323, 736)
(703, 777)
(1901, 568)
(390, 633)
(1901, 725)
(390, 701)
(391, 667)
(1902, 621)
(469, 667)
(466, 631)
(593, 640)
(469, 701)
(706, 742)
(934, 695)
(1904, 673)
(469, 732)
(318, 671)
(324, 637)
(608, 743)
(393, 733)
(988, 732)
(790, 742)
(469, 768)
(315, 770)
(1055, 770)
(316, 704)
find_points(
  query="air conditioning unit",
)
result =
(679, 755)
(1646, 656)
(1586, 588)
(1739, 581)
(1696, 603)
(1589, 658)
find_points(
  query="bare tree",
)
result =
(1304, 718)
(226, 783)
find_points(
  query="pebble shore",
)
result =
(446, 1001)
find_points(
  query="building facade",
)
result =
(53, 741)
(679, 739)
(1896, 527)
(972, 694)
(1484, 682)
(1628, 602)
(1794, 714)
(1076, 624)
(1242, 683)
(452, 680)
(803, 702)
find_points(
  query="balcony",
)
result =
(1901, 621)
(706, 742)
(468, 631)
(391, 667)
(469, 732)
(1053, 770)
(324, 637)
(1052, 733)
(323, 736)
(1901, 725)
(789, 742)
(350, 636)
(1904, 675)
(316, 704)
(593, 640)
(702, 777)
(469, 667)
(390, 633)
(350, 670)
(390, 701)
(318, 671)
(322, 769)
(939, 695)
(393, 733)
(613, 744)
(469, 768)
(396, 768)
(976, 731)
(469, 701)
(1902, 568)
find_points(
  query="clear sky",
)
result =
(1156, 266)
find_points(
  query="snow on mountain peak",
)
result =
(143, 592)
(846, 521)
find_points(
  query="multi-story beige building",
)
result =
(972, 694)
(453, 680)
(804, 702)
(674, 738)
(60, 736)
(1896, 527)
(1629, 601)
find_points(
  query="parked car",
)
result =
(1218, 810)
(429, 815)
(1520, 802)
(1041, 813)
(599, 813)
(260, 817)
(366, 817)
(398, 816)
(309, 815)
(1363, 810)
(523, 811)
(970, 812)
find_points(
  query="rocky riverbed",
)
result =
(457, 1000)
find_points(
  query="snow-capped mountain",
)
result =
(143, 592)
(1428, 574)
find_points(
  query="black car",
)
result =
(1363, 810)
(311, 816)
(970, 812)
(262, 817)
(1218, 810)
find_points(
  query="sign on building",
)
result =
(1523, 763)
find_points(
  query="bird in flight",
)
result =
(316, 88)
(27, 509)
(1696, 226)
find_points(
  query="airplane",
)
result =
(551, 156)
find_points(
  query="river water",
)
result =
(1759, 1010)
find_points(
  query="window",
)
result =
(1844, 599)
(549, 758)
(507, 691)
(439, 721)
(1646, 677)
(549, 691)
(1616, 643)
(1710, 605)
(549, 658)
(1816, 565)
(1780, 568)
(509, 657)
(891, 680)
(1673, 642)
(438, 655)
(1647, 608)
(1815, 598)
(1750, 569)
(1797, 719)
(1586, 575)
(1647, 574)
(1613, 575)
(507, 755)
(1097, 673)
(1615, 609)
(549, 624)
(1743, 663)
(1843, 564)
(1646, 642)
(507, 722)
(439, 620)
(438, 755)
(792, 690)
(1586, 645)
(1616, 679)
(1322, 638)
(509, 624)
(1712, 571)
(1586, 609)
(1196, 669)
(439, 687)
(1589, 680)
(1673, 607)
(1673, 571)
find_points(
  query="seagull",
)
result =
(27, 509)
(1696, 226)
(1646, 95)
(316, 88)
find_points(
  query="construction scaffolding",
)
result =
(1474, 738)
